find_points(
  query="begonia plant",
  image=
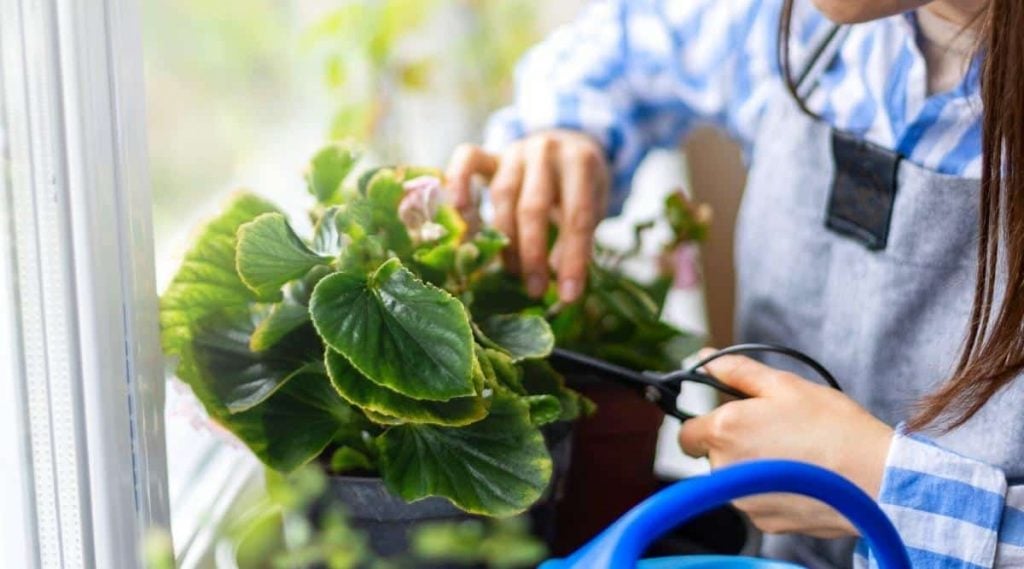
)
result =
(357, 345)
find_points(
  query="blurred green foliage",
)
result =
(277, 530)
(226, 79)
(218, 76)
(374, 51)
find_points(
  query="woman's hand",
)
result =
(788, 417)
(559, 176)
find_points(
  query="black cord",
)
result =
(761, 348)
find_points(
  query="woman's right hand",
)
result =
(557, 176)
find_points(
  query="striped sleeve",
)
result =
(950, 510)
(640, 74)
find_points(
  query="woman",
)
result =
(883, 217)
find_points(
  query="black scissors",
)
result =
(663, 389)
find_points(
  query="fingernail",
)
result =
(569, 290)
(535, 284)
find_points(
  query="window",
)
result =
(82, 434)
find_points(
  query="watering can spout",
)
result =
(622, 544)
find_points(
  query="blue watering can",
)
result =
(621, 544)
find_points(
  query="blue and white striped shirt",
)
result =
(640, 74)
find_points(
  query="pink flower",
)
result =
(420, 203)
(685, 267)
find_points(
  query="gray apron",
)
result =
(888, 323)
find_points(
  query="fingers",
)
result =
(745, 374)
(694, 436)
(533, 213)
(467, 161)
(557, 172)
(579, 205)
(505, 189)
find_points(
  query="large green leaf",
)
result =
(328, 169)
(365, 394)
(280, 404)
(207, 283)
(399, 332)
(270, 254)
(522, 337)
(498, 466)
(227, 375)
(297, 423)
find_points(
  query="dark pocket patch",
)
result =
(863, 190)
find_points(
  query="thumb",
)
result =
(740, 372)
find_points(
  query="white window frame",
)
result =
(86, 396)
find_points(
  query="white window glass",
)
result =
(82, 467)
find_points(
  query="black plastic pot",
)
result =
(387, 520)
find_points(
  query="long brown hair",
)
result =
(993, 351)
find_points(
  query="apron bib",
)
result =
(888, 320)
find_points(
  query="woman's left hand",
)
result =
(788, 417)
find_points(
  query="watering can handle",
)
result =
(622, 543)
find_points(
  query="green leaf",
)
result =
(355, 388)
(498, 466)
(282, 319)
(384, 193)
(481, 251)
(454, 226)
(296, 424)
(207, 283)
(522, 337)
(226, 374)
(328, 170)
(539, 378)
(363, 184)
(435, 262)
(544, 409)
(490, 241)
(374, 213)
(483, 371)
(506, 374)
(326, 235)
(270, 254)
(457, 542)
(382, 419)
(499, 292)
(347, 459)
(401, 333)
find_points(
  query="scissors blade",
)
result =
(568, 359)
(650, 386)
